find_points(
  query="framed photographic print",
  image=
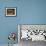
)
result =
(10, 11)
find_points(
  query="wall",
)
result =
(33, 12)
(28, 12)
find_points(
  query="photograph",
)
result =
(10, 12)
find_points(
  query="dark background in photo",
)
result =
(10, 11)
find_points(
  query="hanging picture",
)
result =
(10, 12)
